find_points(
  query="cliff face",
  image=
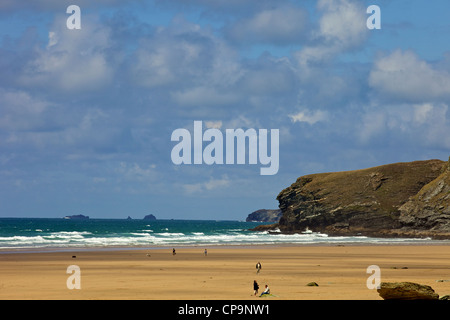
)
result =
(400, 199)
(429, 210)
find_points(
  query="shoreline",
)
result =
(224, 246)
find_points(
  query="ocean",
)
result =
(40, 233)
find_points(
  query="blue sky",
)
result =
(86, 115)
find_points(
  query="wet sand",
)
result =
(225, 273)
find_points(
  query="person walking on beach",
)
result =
(255, 287)
(206, 252)
(173, 251)
(258, 267)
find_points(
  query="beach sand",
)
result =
(225, 273)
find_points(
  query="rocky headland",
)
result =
(409, 199)
(264, 215)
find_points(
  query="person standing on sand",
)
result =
(206, 252)
(255, 287)
(173, 251)
(258, 267)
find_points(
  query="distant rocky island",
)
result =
(149, 217)
(264, 215)
(409, 199)
(77, 217)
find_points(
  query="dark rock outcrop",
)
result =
(312, 284)
(400, 199)
(264, 215)
(406, 291)
(429, 210)
(149, 217)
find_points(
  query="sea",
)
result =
(58, 233)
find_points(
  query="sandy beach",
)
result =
(224, 273)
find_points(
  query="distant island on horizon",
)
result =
(76, 217)
(83, 217)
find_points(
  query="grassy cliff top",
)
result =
(390, 185)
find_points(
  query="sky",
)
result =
(86, 115)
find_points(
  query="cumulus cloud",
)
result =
(403, 75)
(24, 119)
(268, 76)
(184, 55)
(424, 124)
(343, 22)
(341, 27)
(21, 102)
(210, 185)
(133, 171)
(73, 60)
(213, 124)
(285, 25)
(204, 97)
(308, 116)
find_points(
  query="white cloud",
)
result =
(433, 124)
(268, 77)
(73, 60)
(242, 121)
(210, 185)
(403, 75)
(308, 116)
(424, 124)
(21, 102)
(185, 56)
(135, 172)
(342, 27)
(20, 111)
(213, 124)
(283, 25)
(52, 39)
(343, 22)
(99, 179)
(423, 112)
(372, 124)
(324, 81)
(204, 96)
(153, 67)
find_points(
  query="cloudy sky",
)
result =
(86, 116)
